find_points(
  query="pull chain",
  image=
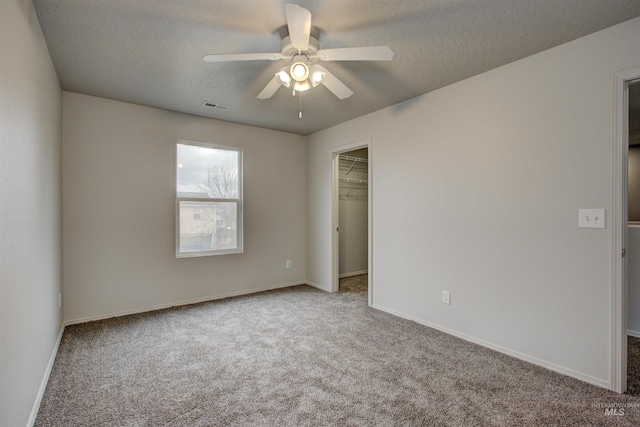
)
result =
(300, 109)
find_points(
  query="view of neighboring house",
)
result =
(203, 227)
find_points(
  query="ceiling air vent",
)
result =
(216, 106)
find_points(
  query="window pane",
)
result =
(207, 173)
(208, 226)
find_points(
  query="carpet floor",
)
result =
(633, 366)
(303, 357)
(357, 283)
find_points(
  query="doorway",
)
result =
(620, 228)
(351, 219)
(633, 240)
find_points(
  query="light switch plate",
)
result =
(446, 297)
(591, 218)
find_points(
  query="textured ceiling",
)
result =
(149, 52)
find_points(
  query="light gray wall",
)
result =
(633, 192)
(633, 280)
(119, 205)
(30, 216)
(476, 190)
(353, 248)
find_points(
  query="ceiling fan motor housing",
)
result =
(289, 52)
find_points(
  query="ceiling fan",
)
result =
(302, 50)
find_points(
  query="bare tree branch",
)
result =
(221, 182)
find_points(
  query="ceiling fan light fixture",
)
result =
(283, 77)
(301, 86)
(300, 48)
(317, 75)
(299, 71)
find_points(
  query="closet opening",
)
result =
(633, 240)
(353, 241)
(351, 220)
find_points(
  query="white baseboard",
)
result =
(322, 288)
(45, 380)
(633, 333)
(534, 360)
(353, 273)
(179, 303)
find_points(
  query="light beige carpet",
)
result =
(303, 357)
(357, 283)
(633, 366)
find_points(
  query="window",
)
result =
(209, 199)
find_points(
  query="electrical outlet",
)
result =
(446, 297)
(287, 264)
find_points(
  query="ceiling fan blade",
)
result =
(270, 89)
(242, 57)
(375, 53)
(299, 23)
(332, 83)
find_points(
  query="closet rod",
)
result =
(353, 180)
(353, 159)
(353, 197)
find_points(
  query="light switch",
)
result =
(446, 297)
(591, 218)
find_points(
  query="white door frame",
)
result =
(619, 228)
(335, 202)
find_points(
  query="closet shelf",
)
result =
(353, 188)
(354, 181)
(350, 163)
(353, 159)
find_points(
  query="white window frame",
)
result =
(239, 209)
